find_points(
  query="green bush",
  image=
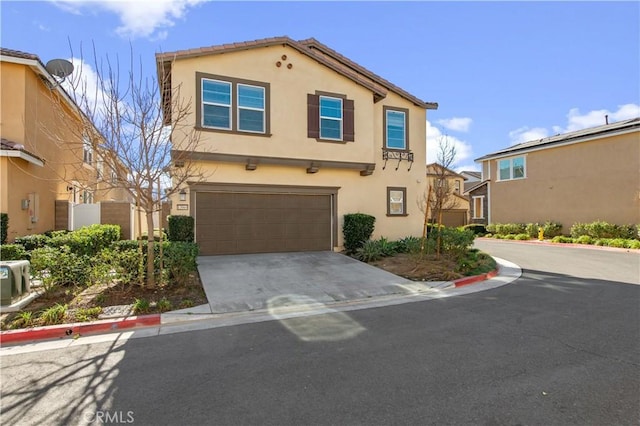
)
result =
(180, 260)
(12, 252)
(601, 229)
(32, 242)
(507, 228)
(54, 315)
(408, 245)
(4, 228)
(476, 228)
(617, 242)
(357, 228)
(532, 229)
(561, 239)
(584, 239)
(551, 229)
(633, 244)
(453, 242)
(181, 228)
(369, 252)
(88, 240)
(60, 266)
(522, 237)
(510, 237)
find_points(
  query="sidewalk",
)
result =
(202, 317)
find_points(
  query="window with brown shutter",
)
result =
(346, 119)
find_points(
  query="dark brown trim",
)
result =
(195, 187)
(331, 94)
(386, 108)
(366, 168)
(404, 200)
(313, 117)
(234, 104)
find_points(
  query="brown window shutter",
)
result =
(349, 125)
(313, 116)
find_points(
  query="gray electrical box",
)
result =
(15, 280)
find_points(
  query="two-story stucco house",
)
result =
(450, 186)
(293, 137)
(49, 155)
(582, 176)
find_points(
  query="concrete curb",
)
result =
(74, 330)
(475, 279)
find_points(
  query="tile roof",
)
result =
(432, 170)
(313, 49)
(18, 54)
(473, 173)
(8, 145)
(579, 135)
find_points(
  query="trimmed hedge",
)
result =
(88, 240)
(4, 227)
(476, 228)
(357, 228)
(601, 229)
(12, 252)
(181, 228)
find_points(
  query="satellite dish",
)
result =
(60, 68)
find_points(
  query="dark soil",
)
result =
(419, 267)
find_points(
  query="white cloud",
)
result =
(464, 151)
(457, 124)
(576, 121)
(141, 18)
(525, 134)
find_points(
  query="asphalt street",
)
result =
(558, 346)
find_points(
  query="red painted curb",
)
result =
(71, 330)
(476, 278)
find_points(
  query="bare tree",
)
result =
(440, 196)
(123, 118)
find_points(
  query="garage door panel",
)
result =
(228, 223)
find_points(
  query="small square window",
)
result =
(396, 201)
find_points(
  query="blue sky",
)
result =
(502, 72)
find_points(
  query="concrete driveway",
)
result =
(247, 282)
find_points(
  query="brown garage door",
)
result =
(454, 218)
(234, 223)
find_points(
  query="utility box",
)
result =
(15, 280)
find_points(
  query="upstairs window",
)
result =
(512, 168)
(232, 105)
(330, 117)
(216, 104)
(395, 128)
(87, 150)
(250, 108)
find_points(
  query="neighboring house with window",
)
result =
(582, 176)
(450, 184)
(293, 136)
(46, 160)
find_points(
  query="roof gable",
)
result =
(311, 48)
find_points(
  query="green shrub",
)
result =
(532, 229)
(164, 305)
(551, 229)
(522, 237)
(12, 252)
(60, 266)
(54, 315)
(88, 314)
(4, 228)
(453, 242)
(369, 252)
(357, 228)
(561, 239)
(88, 240)
(491, 228)
(601, 229)
(617, 242)
(498, 237)
(475, 262)
(32, 242)
(408, 245)
(387, 248)
(180, 260)
(476, 228)
(507, 228)
(601, 242)
(633, 244)
(584, 239)
(510, 237)
(141, 306)
(181, 228)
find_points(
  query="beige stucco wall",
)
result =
(582, 182)
(289, 89)
(30, 117)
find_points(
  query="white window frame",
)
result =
(386, 130)
(511, 160)
(475, 211)
(87, 150)
(340, 120)
(203, 103)
(263, 110)
(87, 196)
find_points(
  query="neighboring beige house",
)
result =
(583, 176)
(47, 159)
(293, 137)
(456, 205)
